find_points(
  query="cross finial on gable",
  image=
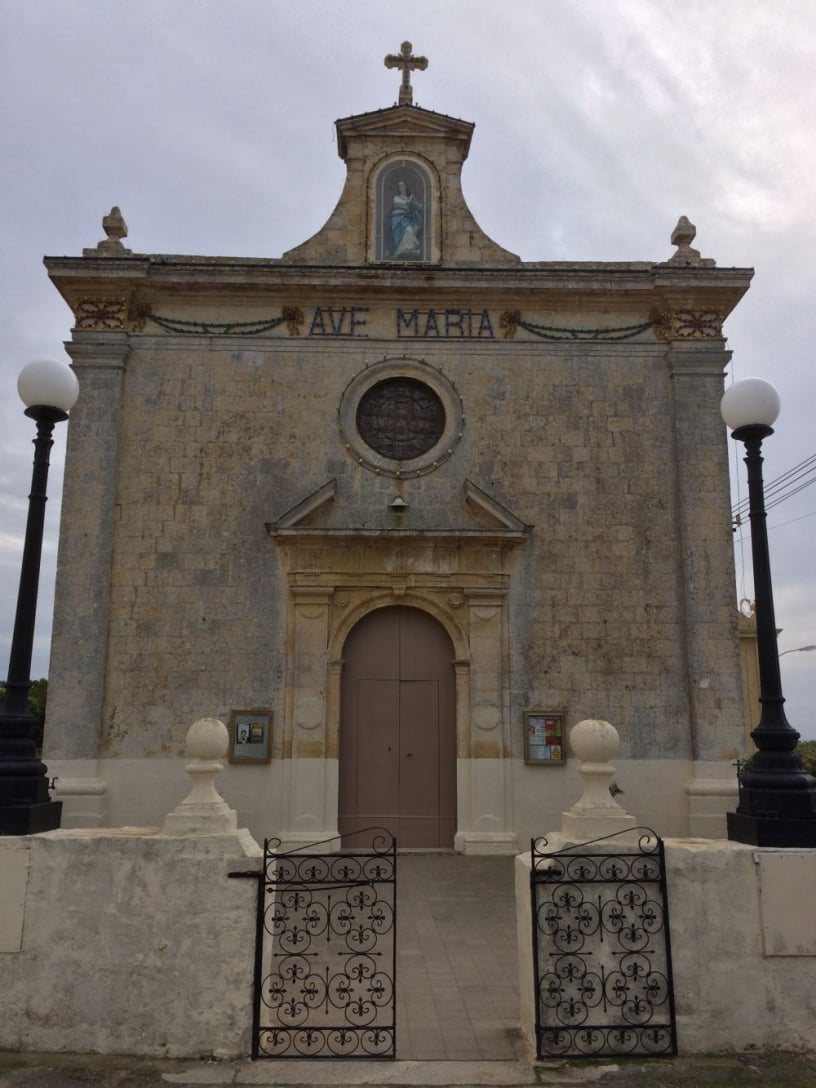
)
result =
(406, 61)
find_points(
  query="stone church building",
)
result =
(401, 509)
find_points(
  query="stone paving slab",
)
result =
(440, 1073)
(457, 959)
(750, 1070)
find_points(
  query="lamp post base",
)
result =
(30, 819)
(771, 830)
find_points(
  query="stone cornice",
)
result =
(267, 282)
(463, 537)
(106, 349)
(698, 358)
(398, 123)
(398, 559)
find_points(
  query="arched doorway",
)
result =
(398, 728)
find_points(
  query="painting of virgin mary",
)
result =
(405, 223)
(403, 212)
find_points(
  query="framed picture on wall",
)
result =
(544, 738)
(250, 734)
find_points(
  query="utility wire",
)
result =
(803, 469)
(792, 521)
(784, 487)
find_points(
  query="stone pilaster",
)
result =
(705, 540)
(82, 597)
(310, 786)
(487, 826)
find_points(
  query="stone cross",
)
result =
(406, 61)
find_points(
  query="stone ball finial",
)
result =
(597, 813)
(207, 739)
(594, 741)
(203, 811)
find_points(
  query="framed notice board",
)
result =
(544, 738)
(250, 736)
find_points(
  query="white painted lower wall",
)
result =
(127, 942)
(743, 942)
(502, 804)
(131, 942)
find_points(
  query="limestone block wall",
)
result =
(127, 942)
(618, 600)
(214, 444)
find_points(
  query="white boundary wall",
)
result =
(127, 941)
(743, 938)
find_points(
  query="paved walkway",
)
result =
(757, 1070)
(457, 971)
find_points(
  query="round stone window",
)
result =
(400, 418)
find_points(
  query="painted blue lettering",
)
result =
(355, 321)
(485, 328)
(453, 321)
(318, 326)
(408, 321)
(337, 329)
(431, 325)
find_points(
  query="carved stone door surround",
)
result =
(335, 577)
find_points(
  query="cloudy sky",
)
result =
(598, 123)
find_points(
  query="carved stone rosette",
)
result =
(100, 313)
(688, 324)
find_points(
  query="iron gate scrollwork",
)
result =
(326, 952)
(601, 950)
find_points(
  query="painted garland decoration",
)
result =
(292, 316)
(667, 324)
(511, 320)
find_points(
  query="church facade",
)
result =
(400, 509)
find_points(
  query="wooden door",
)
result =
(398, 729)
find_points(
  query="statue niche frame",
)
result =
(404, 210)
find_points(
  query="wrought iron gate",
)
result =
(601, 949)
(325, 956)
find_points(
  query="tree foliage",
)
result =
(37, 695)
(807, 753)
(805, 749)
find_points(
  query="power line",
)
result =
(787, 479)
(792, 521)
(784, 487)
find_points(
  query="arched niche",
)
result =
(404, 212)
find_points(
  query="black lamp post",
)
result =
(49, 391)
(777, 799)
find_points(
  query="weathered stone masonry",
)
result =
(224, 525)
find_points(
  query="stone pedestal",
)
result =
(203, 811)
(597, 813)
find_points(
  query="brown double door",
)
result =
(398, 729)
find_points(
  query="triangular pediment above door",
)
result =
(478, 535)
(481, 514)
